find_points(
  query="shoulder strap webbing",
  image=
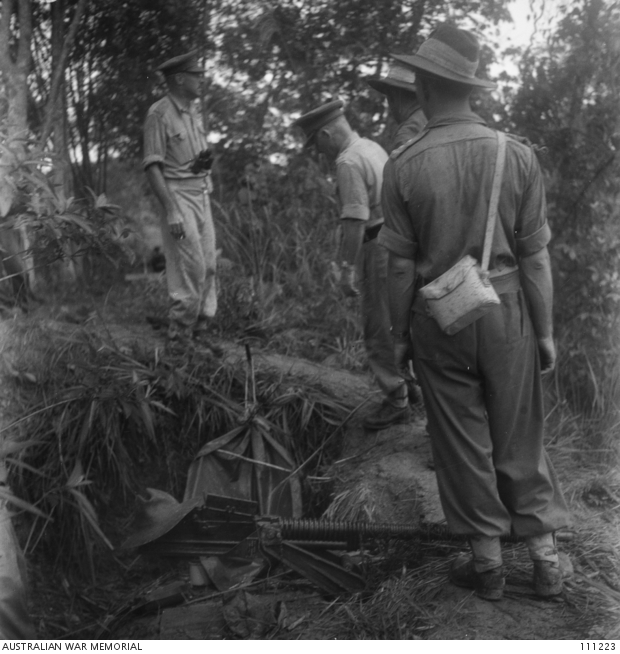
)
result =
(414, 139)
(495, 190)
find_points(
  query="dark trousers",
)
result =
(484, 401)
(376, 320)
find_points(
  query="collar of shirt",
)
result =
(348, 143)
(178, 105)
(442, 120)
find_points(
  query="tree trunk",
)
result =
(61, 175)
(14, 619)
(15, 73)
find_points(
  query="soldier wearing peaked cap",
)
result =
(359, 172)
(177, 162)
(312, 121)
(398, 86)
(482, 385)
(185, 63)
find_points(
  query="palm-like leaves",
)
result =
(99, 424)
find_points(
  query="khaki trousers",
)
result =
(484, 400)
(190, 262)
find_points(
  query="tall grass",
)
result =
(94, 425)
(586, 384)
(281, 281)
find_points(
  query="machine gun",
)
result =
(319, 550)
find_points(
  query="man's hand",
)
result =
(174, 218)
(546, 348)
(402, 353)
(177, 230)
(348, 280)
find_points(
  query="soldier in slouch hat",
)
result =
(482, 386)
(398, 86)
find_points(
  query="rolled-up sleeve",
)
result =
(352, 192)
(397, 234)
(154, 140)
(531, 244)
(532, 232)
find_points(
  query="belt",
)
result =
(195, 184)
(372, 232)
(504, 281)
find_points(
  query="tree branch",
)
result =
(59, 71)
(24, 54)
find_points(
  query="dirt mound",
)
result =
(386, 476)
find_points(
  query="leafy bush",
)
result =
(53, 227)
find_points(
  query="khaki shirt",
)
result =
(359, 175)
(173, 136)
(436, 195)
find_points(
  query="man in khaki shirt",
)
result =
(177, 163)
(359, 173)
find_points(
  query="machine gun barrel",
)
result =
(327, 530)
